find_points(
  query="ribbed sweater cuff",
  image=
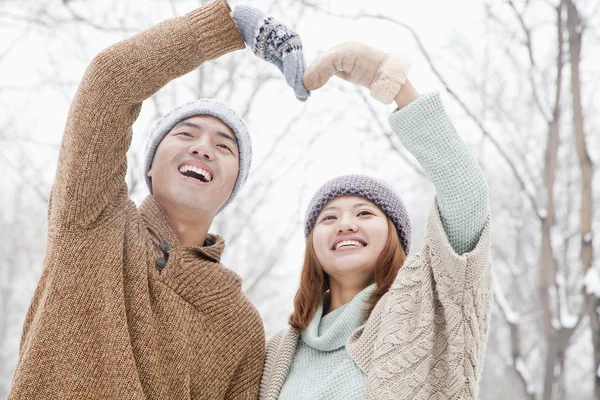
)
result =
(215, 30)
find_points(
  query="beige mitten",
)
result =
(363, 65)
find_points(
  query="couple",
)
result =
(133, 303)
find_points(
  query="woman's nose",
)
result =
(346, 226)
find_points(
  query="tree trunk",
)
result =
(515, 341)
(554, 373)
(575, 29)
(551, 361)
(548, 263)
(593, 312)
(561, 389)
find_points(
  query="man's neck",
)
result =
(191, 227)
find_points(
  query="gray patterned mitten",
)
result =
(275, 43)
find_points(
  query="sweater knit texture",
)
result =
(321, 368)
(426, 337)
(425, 130)
(122, 309)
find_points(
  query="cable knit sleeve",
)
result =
(92, 161)
(427, 335)
(425, 130)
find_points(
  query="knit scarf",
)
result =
(331, 332)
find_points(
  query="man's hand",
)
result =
(275, 43)
(382, 73)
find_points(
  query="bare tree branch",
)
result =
(28, 181)
(533, 67)
(389, 135)
(503, 153)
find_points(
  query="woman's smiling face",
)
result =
(349, 235)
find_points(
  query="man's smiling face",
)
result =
(196, 165)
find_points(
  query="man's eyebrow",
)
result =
(198, 127)
(188, 124)
(228, 137)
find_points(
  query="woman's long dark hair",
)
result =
(314, 282)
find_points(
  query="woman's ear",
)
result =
(150, 173)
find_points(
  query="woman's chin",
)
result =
(350, 267)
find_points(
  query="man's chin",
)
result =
(194, 201)
(206, 199)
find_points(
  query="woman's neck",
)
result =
(342, 293)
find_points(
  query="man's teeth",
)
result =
(185, 168)
(349, 243)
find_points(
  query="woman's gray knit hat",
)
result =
(368, 188)
(203, 107)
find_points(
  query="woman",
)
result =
(367, 324)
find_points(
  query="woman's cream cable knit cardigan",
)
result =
(426, 337)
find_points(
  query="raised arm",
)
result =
(92, 163)
(423, 127)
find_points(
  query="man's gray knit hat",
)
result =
(368, 188)
(203, 107)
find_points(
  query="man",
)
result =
(134, 303)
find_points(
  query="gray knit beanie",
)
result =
(368, 188)
(203, 107)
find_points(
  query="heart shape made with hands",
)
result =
(382, 73)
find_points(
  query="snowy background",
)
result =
(519, 79)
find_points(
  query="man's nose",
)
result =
(202, 149)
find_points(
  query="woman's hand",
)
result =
(382, 73)
(406, 95)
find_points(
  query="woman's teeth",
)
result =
(348, 243)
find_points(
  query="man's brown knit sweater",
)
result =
(106, 322)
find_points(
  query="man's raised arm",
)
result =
(92, 162)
